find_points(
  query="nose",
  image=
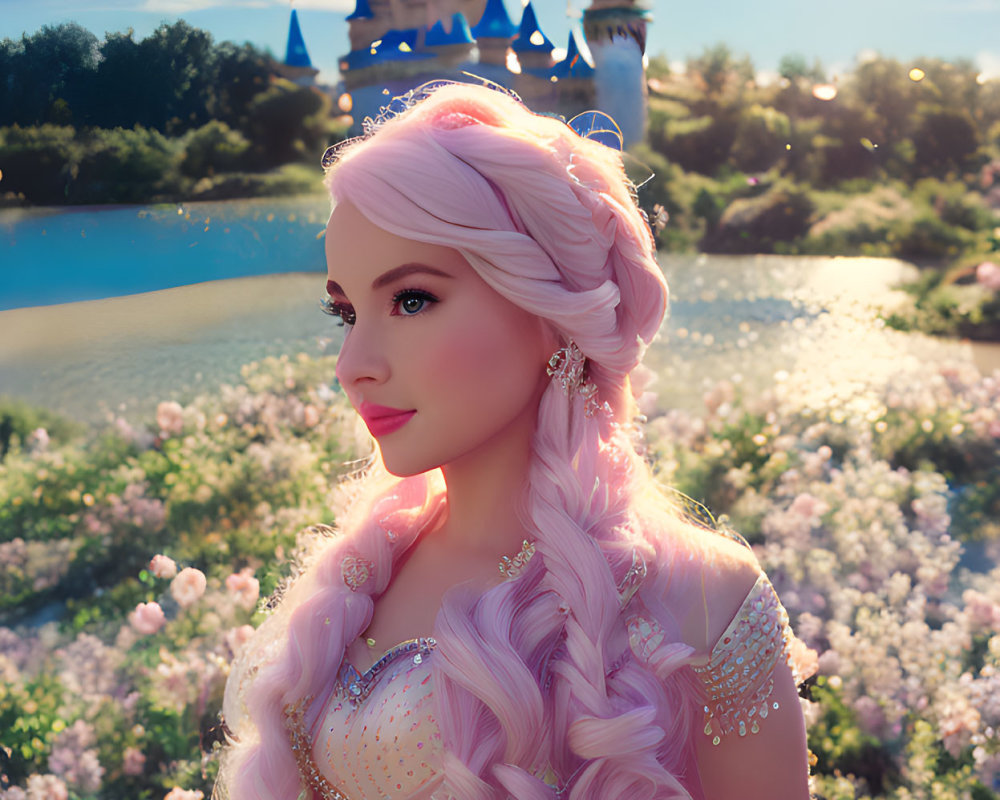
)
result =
(361, 360)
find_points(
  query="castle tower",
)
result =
(493, 33)
(616, 35)
(452, 47)
(574, 80)
(297, 66)
(533, 48)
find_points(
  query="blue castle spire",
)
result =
(361, 11)
(296, 54)
(529, 36)
(460, 33)
(495, 22)
(574, 65)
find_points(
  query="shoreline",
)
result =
(40, 332)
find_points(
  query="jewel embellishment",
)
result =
(567, 366)
(511, 566)
(356, 571)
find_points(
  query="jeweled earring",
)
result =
(567, 366)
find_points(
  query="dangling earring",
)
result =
(567, 366)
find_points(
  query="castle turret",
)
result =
(616, 36)
(451, 47)
(533, 48)
(297, 65)
(493, 33)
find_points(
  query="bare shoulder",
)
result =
(710, 576)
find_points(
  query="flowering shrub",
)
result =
(133, 562)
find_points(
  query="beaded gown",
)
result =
(376, 735)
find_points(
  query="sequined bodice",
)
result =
(378, 737)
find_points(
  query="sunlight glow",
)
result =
(512, 63)
(917, 74)
(536, 38)
(824, 91)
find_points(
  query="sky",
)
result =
(837, 34)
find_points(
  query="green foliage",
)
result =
(840, 745)
(123, 166)
(214, 147)
(927, 236)
(759, 224)
(945, 139)
(36, 161)
(29, 718)
(761, 136)
(287, 121)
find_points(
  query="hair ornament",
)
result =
(356, 571)
(599, 127)
(402, 103)
(567, 365)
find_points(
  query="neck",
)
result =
(484, 490)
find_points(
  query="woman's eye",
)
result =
(411, 302)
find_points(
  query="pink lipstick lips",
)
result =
(382, 420)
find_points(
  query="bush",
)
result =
(212, 148)
(761, 137)
(926, 237)
(758, 224)
(124, 166)
(37, 161)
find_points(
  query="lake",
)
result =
(807, 325)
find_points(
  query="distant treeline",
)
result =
(84, 120)
(890, 159)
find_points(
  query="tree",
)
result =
(56, 63)
(945, 139)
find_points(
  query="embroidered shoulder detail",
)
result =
(739, 677)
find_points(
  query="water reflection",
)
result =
(804, 327)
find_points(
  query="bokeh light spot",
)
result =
(345, 103)
(824, 91)
(917, 74)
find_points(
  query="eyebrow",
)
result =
(394, 274)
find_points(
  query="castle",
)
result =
(397, 45)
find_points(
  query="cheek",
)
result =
(487, 359)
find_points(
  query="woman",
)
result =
(563, 634)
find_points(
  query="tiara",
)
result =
(596, 126)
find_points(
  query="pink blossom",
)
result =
(163, 566)
(245, 586)
(988, 275)
(310, 416)
(38, 439)
(994, 428)
(983, 613)
(188, 587)
(133, 761)
(147, 618)
(46, 787)
(177, 793)
(871, 718)
(170, 418)
(803, 659)
(810, 507)
(237, 637)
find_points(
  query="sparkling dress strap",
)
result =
(738, 680)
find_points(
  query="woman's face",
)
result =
(437, 363)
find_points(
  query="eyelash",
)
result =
(346, 312)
